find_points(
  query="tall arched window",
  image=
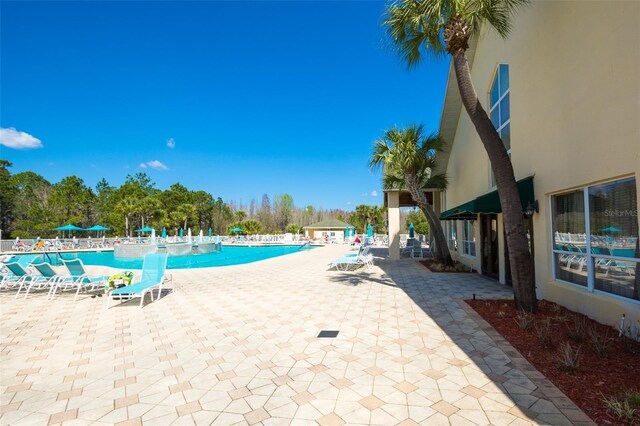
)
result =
(500, 108)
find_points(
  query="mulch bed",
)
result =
(618, 371)
(435, 266)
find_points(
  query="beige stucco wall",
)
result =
(316, 233)
(394, 225)
(575, 118)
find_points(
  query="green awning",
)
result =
(489, 203)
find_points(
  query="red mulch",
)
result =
(435, 266)
(617, 372)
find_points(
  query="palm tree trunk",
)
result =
(524, 286)
(441, 250)
(126, 224)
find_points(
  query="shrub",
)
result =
(601, 342)
(631, 338)
(620, 409)
(578, 328)
(501, 314)
(524, 320)
(633, 398)
(544, 332)
(568, 358)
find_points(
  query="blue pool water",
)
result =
(230, 255)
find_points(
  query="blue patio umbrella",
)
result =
(411, 231)
(98, 228)
(68, 227)
(181, 232)
(145, 229)
(210, 231)
(369, 230)
(236, 229)
(347, 231)
(164, 232)
(611, 229)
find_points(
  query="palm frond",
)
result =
(414, 28)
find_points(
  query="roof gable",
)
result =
(328, 223)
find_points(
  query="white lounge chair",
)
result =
(153, 276)
(80, 279)
(353, 261)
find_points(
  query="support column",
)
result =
(393, 214)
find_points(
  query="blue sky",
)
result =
(257, 97)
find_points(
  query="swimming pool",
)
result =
(230, 255)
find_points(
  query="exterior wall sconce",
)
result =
(531, 209)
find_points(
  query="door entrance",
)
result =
(489, 240)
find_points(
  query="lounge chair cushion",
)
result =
(135, 288)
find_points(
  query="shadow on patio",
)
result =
(460, 340)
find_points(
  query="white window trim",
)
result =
(466, 244)
(452, 242)
(496, 79)
(590, 287)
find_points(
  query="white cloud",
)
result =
(155, 164)
(171, 143)
(12, 138)
(349, 203)
(374, 193)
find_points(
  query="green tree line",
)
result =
(32, 206)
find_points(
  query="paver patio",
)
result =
(238, 345)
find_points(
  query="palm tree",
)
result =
(128, 207)
(445, 26)
(408, 157)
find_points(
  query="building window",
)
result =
(595, 235)
(468, 238)
(451, 235)
(500, 109)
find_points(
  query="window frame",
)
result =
(496, 105)
(589, 256)
(466, 244)
(452, 235)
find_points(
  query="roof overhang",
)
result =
(406, 200)
(489, 203)
(325, 227)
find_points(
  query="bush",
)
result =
(524, 320)
(601, 342)
(577, 330)
(620, 409)
(568, 358)
(544, 332)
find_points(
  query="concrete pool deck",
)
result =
(238, 345)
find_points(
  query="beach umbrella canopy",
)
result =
(98, 228)
(181, 232)
(145, 229)
(611, 229)
(210, 231)
(411, 231)
(236, 229)
(69, 227)
(164, 232)
(369, 230)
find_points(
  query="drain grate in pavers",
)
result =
(328, 333)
